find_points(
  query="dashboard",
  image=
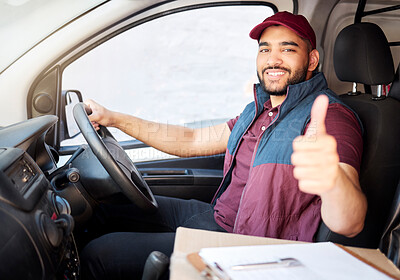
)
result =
(36, 229)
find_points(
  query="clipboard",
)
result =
(209, 271)
(366, 261)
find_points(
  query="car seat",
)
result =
(362, 55)
(390, 242)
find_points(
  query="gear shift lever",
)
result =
(155, 266)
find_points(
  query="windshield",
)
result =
(24, 23)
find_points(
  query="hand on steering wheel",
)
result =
(131, 183)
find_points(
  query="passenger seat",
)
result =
(390, 242)
(362, 55)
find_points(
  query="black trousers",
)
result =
(122, 254)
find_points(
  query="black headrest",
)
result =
(362, 55)
(395, 88)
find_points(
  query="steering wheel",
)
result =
(128, 178)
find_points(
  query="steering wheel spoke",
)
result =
(116, 162)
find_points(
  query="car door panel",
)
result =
(186, 178)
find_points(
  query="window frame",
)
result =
(136, 144)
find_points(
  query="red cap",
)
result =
(297, 23)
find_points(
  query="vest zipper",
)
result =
(252, 161)
(237, 147)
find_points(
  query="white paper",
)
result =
(322, 260)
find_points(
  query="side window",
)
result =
(193, 68)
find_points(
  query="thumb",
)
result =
(318, 114)
(92, 105)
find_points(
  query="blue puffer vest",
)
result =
(271, 204)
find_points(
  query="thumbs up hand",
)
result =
(315, 157)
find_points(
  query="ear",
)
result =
(313, 58)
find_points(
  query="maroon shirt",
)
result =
(340, 123)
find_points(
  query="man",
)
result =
(292, 158)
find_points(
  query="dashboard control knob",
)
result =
(62, 205)
(66, 223)
(73, 175)
(55, 231)
(51, 231)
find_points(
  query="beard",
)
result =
(297, 77)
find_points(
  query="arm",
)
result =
(172, 139)
(344, 206)
(319, 171)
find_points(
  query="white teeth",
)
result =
(276, 73)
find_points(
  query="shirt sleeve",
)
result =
(231, 123)
(342, 124)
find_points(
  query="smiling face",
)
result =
(283, 59)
